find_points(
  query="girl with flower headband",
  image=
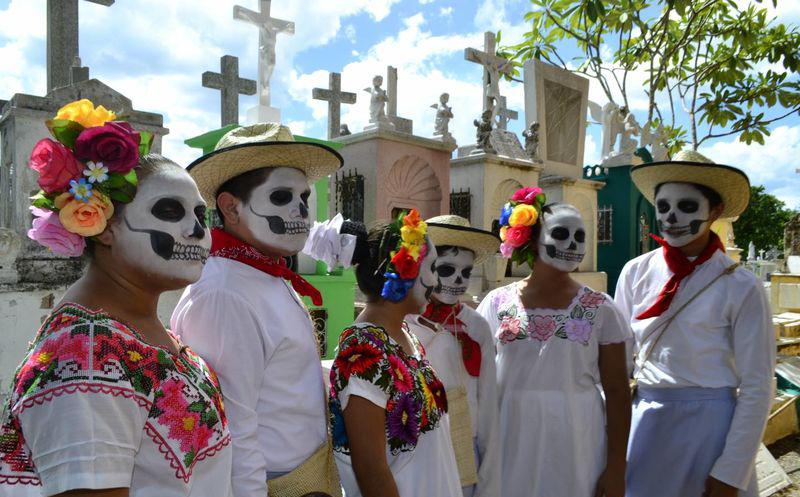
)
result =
(388, 408)
(557, 340)
(106, 400)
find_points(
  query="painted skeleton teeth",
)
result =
(453, 290)
(295, 227)
(568, 256)
(181, 252)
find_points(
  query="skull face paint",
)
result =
(277, 213)
(163, 231)
(454, 268)
(562, 241)
(427, 282)
(683, 213)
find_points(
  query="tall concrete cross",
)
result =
(62, 40)
(494, 67)
(335, 98)
(230, 85)
(504, 114)
(401, 124)
(268, 30)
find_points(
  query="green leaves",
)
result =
(145, 142)
(42, 201)
(65, 131)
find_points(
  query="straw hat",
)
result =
(456, 231)
(689, 166)
(253, 147)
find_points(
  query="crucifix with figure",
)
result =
(229, 83)
(268, 30)
(335, 98)
(494, 67)
(62, 42)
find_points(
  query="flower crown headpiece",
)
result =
(89, 164)
(517, 219)
(407, 233)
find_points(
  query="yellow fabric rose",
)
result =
(413, 251)
(503, 233)
(84, 218)
(413, 235)
(523, 215)
(84, 113)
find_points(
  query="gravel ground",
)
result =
(787, 452)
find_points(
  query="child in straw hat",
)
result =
(460, 346)
(705, 349)
(557, 341)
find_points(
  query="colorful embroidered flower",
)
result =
(48, 231)
(56, 165)
(96, 173)
(505, 214)
(439, 394)
(81, 190)
(517, 236)
(405, 264)
(430, 401)
(578, 330)
(115, 144)
(543, 327)
(592, 299)
(395, 288)
(509, 329)
(403, 421)
(357, 359)
(84, 113)
(54, 350)
(338, 431)
(403, 380)
(87, 218)
(523, 215)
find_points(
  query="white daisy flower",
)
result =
(96, 172)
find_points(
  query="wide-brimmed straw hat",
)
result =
(253, 147)
(450, 229)
(689, 166)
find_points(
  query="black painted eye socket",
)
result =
(445, 270)
(560, 233)
(281, 197)
(304, 196)
(200, 214)
(580, 236)
(168, 209)
(688, 206)
(662, 206)
(466, 273)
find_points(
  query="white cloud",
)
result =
(425, 2)
(446, 12)
(350, 33)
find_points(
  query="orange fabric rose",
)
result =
(412, 218)
(84, 218)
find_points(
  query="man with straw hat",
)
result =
(460, 346)
(705, 350)
(246, 316)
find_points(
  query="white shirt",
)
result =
(443, 351)
(722, 339)
(256, 333)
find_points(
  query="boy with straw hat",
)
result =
(245, 315)
(460, 346)
(705, 350)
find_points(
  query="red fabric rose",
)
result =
(526, 195)
(405, 265)
(55, 164)
(517, 236)
(115, 144)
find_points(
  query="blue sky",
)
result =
(155, 52)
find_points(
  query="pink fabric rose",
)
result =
(592, 299)
(517, 236)
(48, 231)
(543, 327)
(509, 330)
(578, 330)
(115, 144)
(526, 195)
(506, 250)
(55, 164)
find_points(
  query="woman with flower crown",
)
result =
(388, 408)
(557, 341)
(106, 401)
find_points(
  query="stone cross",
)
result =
(268, 30)
(78, 73)
(230, 85)
(494, 67)
(335, 98)
(401, 124)
(62, 40)
(504, 114)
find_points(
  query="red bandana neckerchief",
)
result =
(445, 314)
(681, 267)
(229, 247)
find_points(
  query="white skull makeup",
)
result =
(562, 241)
(277, 213)
(163, 230)
(427, 282)
(683, 213)
(454, 268)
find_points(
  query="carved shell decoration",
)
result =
(413, 178)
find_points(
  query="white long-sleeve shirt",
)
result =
(724, 338)
(444, 353)
(256, 333)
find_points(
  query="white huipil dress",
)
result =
(552, 415)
